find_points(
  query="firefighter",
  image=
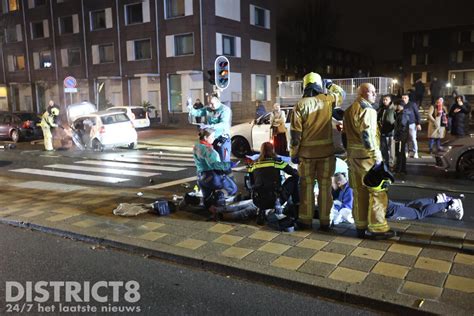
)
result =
(218, 117)
(47, 122)
(312, 146)
(363, 152)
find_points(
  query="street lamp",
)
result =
(448, 85)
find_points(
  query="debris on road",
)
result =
(131, 209)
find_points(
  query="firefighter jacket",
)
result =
(47, 120)
(360, 126)
(220, 120)
(311, 124)
(206, 158)
(266, 174)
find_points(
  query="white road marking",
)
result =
(70, 175)
(182, 164)
(128, 165)
(166, 147)
(50, 186)
(104, 170)
(171, 183)
(163, 157)
(169, 154)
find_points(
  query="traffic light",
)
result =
(212, 77)
(222, 72)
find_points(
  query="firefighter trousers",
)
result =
(48, 138)
(321, 169)
(369, 206)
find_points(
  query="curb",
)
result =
(289, 285)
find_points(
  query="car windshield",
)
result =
(114, 118)
(139, 113)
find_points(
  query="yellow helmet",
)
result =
(312, 77)
(55, 111)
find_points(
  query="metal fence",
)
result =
(294, 89)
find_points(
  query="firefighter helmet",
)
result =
(378, 178)
(312, 77)
(55, 111)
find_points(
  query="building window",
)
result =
(329, 69)
(45, 60)
(106, 53)
(228, 45)
(38, 3)
(259, 17)
(183, 45)
(142, 49)
(37, 30)
(73, 57)
(175, 8)
(13, 34)
(10, 5)
(66, 25)
(464, 37)
(416, 76)
(468, 56)
(134, 13)
(426, 40)
(175, 93)
(98, 20)
(16, 63)
(260, 87)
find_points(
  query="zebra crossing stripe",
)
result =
(123, 172)
(164, 154)
(129, 165)
(158, 161)
(163, 157)
(171, 183)
(76, 176)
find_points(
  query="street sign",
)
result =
(70, 90)
(70, 82)
(222, 72)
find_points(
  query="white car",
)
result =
(100, 130)
(137, 114)
(248, 137)
(458, 156)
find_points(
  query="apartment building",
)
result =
(446, 53)
(127, 52)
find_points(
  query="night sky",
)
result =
(375, 27)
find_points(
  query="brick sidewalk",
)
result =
(427, 262)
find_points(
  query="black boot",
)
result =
(360, 232)
(380, 236)
(261, 217)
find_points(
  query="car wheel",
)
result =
(240, 147)
(466, 165)
(15, 136)
(97, 146)
(132, 145)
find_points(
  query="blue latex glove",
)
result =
(295, 160)
(327, 83)
(234, 164)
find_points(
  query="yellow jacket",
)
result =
(47, 120)
(363, 135)
(311, 125)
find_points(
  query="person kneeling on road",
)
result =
(213, 174)
(267, 189)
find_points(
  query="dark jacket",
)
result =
(459, 119)
(386, 120)
(401, 126)
(198, 105)
(435, 88)
(412, 110)
(266, 174)
(419, 89)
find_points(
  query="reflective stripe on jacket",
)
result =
(311, 125)
(360, 126)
